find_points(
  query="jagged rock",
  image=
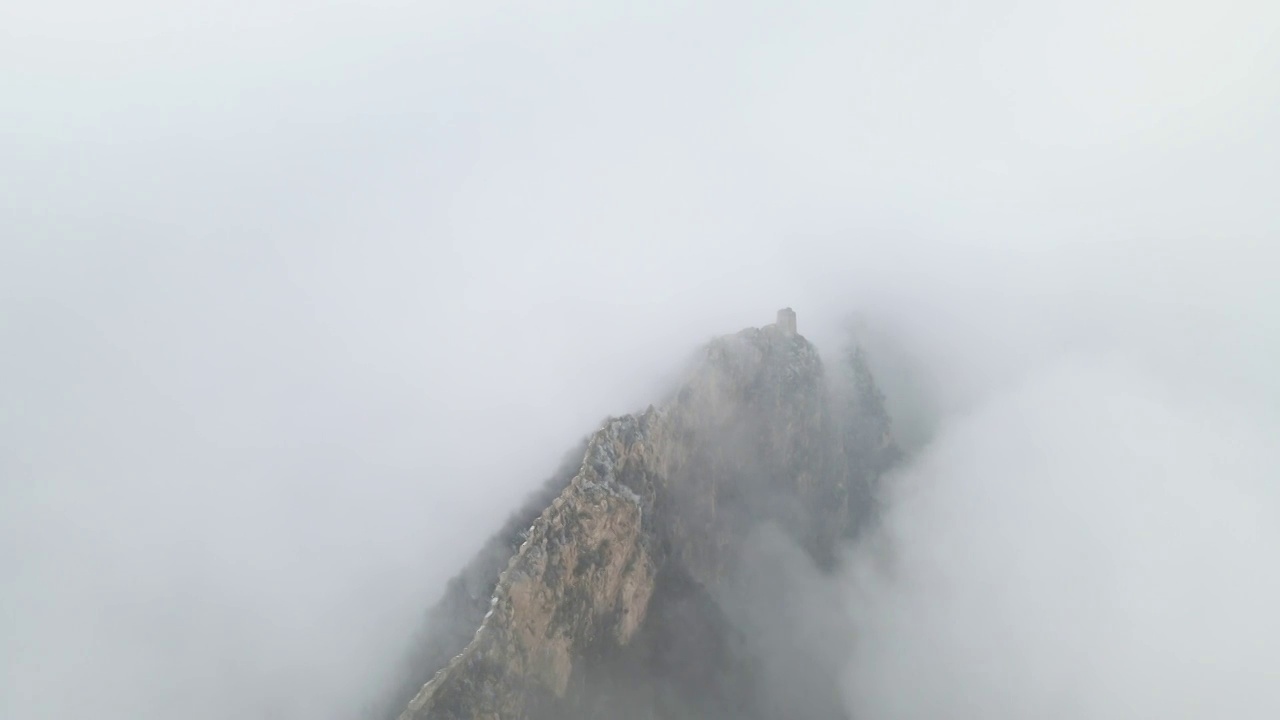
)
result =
(607, 606)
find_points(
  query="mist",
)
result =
(1088, 544)
(297, 303)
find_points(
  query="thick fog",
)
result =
(298, 301)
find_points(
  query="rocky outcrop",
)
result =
(607, 606)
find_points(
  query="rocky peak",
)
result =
(605, 607)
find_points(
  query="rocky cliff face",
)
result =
(599, 599)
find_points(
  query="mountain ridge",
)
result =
(619, 570)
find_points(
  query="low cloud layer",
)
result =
(1089, 543)
(297, 303)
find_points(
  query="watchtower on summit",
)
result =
(787, 320)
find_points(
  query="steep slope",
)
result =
(607, 607)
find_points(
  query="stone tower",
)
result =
(787, 320)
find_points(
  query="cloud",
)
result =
(296, 303)
(1090, 543)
